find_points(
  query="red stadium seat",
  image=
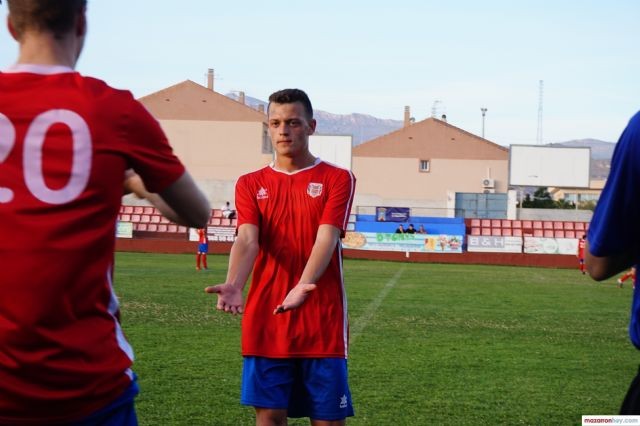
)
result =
(145, 218)
(516, 224)
(172, 228)
(517, 232)
(496, 223)
(579, 226)
(214, 221)
(225, 222)
(537, 224)
(475, 223)
(506, 232)
(162, 227)
(182, 229)
(537, 233)
(558, 225)
(547, 225)
(506, 223)
(138, 209)
(486, 223)
(125, 217)
(486, 231)
(568, 226)
(127, 209)
(526, 224)
(155, 218)
(569, 234)
(140, 226)
(548, 233)
(153, 227)
(558, 233)
(135, 218)
(217, 213)
(475, 231)
(148, 210)
(496, 232)
(234, 222)
(164, 220)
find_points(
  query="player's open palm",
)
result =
(295, 298)
(229, 298)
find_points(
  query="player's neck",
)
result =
(44, 49)
(293, 164)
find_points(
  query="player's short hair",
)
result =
(289, 96)
(55, 16)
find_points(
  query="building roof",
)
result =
(191, 101)
(431, 138)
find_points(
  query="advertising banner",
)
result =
(124, 230)
(478, 243)
(539, 245)
(393, 214)
(422, 243)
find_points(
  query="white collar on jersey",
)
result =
(39, 69)
(315, 163)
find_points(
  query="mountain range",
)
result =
(365, 127)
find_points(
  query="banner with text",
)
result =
(551, 245)
(379, 241)
(478, 243)
(124, 230)
(393, 214)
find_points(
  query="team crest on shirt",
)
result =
(314, 189)
(262, 194)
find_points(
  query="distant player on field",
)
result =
(582, 242)
(631, 273)
(613, 244)
(291, 216)
(65, 143)
(203, 249)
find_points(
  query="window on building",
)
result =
(425, 165)
(267, 148)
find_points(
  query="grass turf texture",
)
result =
(431, 343)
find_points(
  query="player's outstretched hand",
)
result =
(229, 298)
(295, 298)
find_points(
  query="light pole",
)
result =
(484, 112)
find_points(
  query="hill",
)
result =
(601, 153)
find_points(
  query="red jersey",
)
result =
(288, 209)
(202, 236)
(582, 243)
(65, 143)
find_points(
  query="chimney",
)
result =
(261, 108)
(407, 116)
(241, 97)
(210, 79)
(444, 117)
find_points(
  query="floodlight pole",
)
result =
(484, 112)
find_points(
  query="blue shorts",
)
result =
(203, 248)
(120, 412)
(306, 387)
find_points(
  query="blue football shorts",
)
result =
(306, 387)
(203, 248)
(120, 412)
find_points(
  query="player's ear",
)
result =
(312, 126)
(11, 29)
(81, 23)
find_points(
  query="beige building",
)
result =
(578, 195)
(217, 138)
(424, 164)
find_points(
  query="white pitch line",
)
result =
(370, 311)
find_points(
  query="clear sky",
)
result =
(375, 57)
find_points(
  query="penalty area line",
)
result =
(364, 319)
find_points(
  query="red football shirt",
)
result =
(65, 143)
(288, 210)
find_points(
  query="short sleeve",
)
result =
(246, 205)
(340, 198)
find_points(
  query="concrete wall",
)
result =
(555, 214)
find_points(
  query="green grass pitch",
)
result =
(431, 343)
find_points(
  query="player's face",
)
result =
(290, 129)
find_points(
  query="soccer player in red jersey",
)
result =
(203, 249)
(65, 143)
(631, 273)
(291, 216)
(582, 242)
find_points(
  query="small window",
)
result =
(425, 165)
(267, 148)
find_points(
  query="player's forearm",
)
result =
(601, 268)
(241, 259)
(321, 254)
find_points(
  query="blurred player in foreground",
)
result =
(613, 243)
(65, 143)
(291, 216)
